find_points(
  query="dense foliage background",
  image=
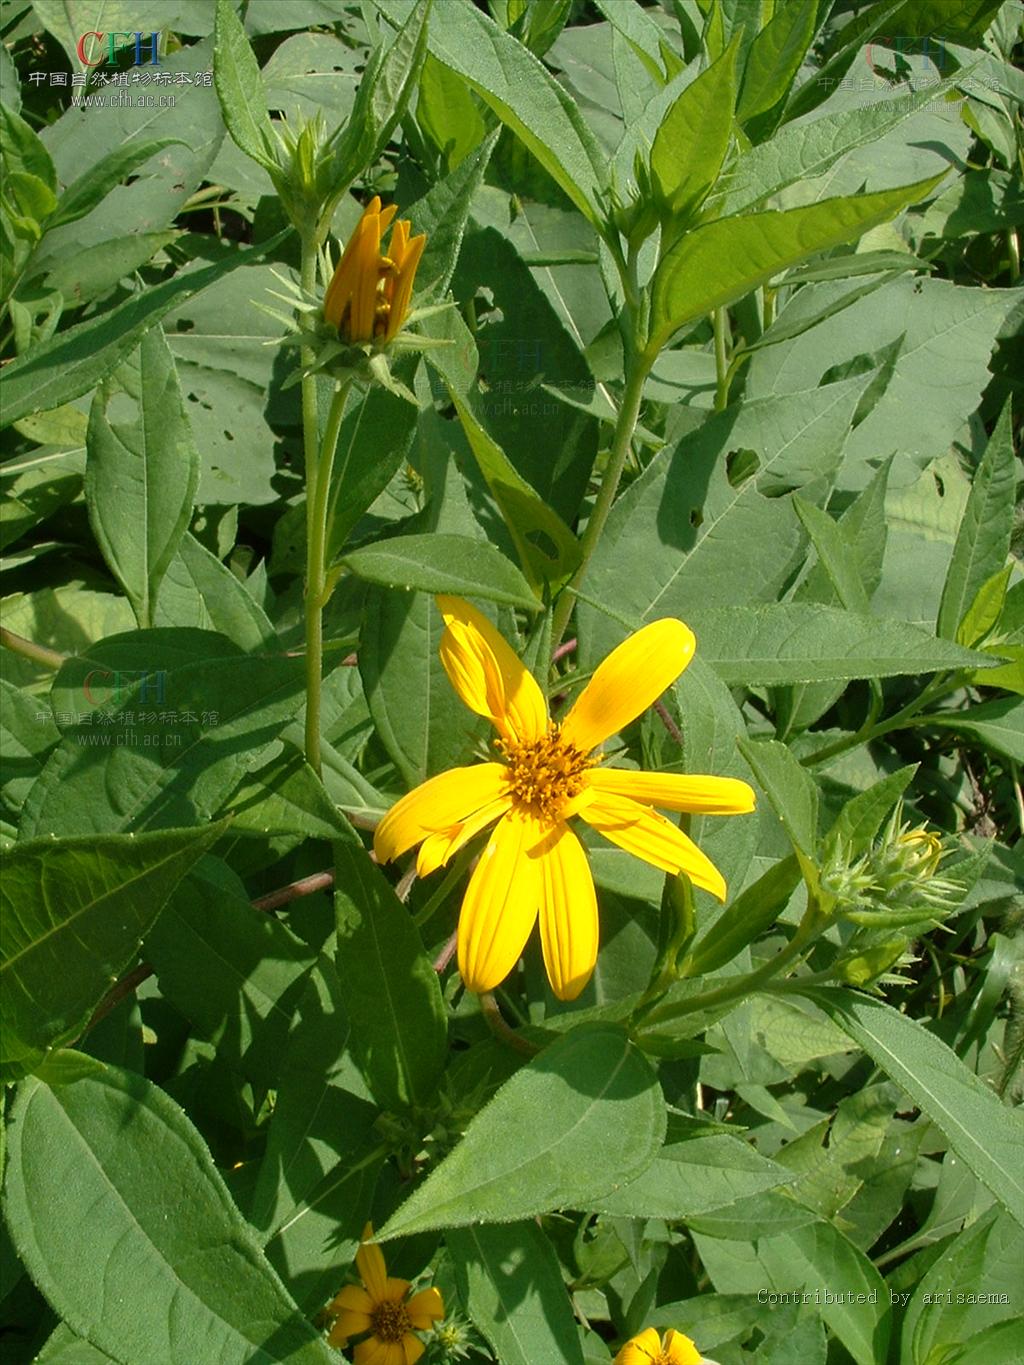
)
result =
(781, 240)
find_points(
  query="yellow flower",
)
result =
(368, 296)
(649, 1349)
(384, 1309)
(533, 861)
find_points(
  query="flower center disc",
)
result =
(544, 773)
(390, 1321)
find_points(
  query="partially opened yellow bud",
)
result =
(368, 297)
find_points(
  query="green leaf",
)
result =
(548, 550)
(74, 914)
(690, 536)
(981, 1264)
(983, 540)
(322, 1116)
(791, 642)
(448, 112)
(142, 471)
(390, 989)
(198, 590)
(192, 1282)
(442, 563)
(240, 89)
(579, 1120)
(24, 150)
(835, 554)
(773, 59)
(752, 912)
(999, 724)
(818, 1256)
(70, 363)
(526, 97)
(791, 789)
(377, 432)
(88, 274)
(719, 262)
(691, 143)
(984, 1133)
(861, 818)
(286, 797)
(235, 972)
(692, 1177)
(384, 92)
(444, 211)
(418, 715)
(159, 727)
(510, 1282)
(83, 194)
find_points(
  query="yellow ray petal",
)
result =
(371, 1267)
(500, 906)
(437, 849)
(487, 675)
(641, 1349)
(386, 215)
(436, 805)
(680, 1350)
(412, 1348)
(633, 675)
(364, 297)
(373, 1351)
(648, 835)
(353, 1298)
(347, 1325)
(404, 282)
(343, 281)
(425, 1307)
(677, 791)
(568, 913)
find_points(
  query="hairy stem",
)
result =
(637, 370)
(318, 492)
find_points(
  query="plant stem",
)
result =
(908, 716)
(737, 985)
(721, 322)
(638, 367)
(318, 492)
(39, 654)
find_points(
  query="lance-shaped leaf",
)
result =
(74, 913)
(240, 88)
(142, 471)
(721, 261)
(525, 96)
(83, 194)
(192, 1283)
(443, 563)
(983, 540)
(388, 81)
(577, 1122)
(70, 363)
(986, 1134)
(548, 550)
(691, 143)
(389, 988)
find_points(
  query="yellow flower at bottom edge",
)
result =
(384, 1309)
(649, 1349)
(533, 862)
(369, 293)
